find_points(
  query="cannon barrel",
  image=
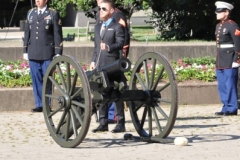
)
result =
(121, 65)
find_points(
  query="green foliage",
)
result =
(202, 68)
(185, 19)
(128, 7)
(14, 74)
(17, 74)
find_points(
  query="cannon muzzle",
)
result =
(121, 65)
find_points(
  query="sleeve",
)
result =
(121, 19)
(119, 39)
(235, 34)
(26, 35)
(94, 56)
(57, 29)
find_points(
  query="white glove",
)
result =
(92, 66)
(56, 56)
(25, 56)
(235, 65)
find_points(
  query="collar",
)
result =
(105, 24)
(43, 9)
(225, 20)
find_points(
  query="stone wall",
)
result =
(84, 53)
(22, 99)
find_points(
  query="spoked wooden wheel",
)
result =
(156, 116)
(70, 100)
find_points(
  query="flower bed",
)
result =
(17, 74)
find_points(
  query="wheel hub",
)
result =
(64, 101)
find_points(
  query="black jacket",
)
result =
(43, 35)
(121, 19)
(227, 32)
(114, 38)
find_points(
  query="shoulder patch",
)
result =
(237, 32)
(32, 9)
(52, 9)
(122, 22)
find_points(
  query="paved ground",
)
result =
(24, 136)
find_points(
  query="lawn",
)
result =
(138, 33)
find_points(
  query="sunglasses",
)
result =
(103, 8)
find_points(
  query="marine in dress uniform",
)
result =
(42, 41)
(228, 58)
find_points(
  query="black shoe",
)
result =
(118, 129)
(219, 113)
(100, 128)
(38, 109)
(230, 114)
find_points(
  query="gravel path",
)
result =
(24, 136)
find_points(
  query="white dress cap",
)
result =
(220, 4)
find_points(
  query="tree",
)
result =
(128, 7)
(184, 19)
(187, 19)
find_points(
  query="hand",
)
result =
(56, 55)
(25, 56)
(103, 46)
(235, 65)
(92, 66)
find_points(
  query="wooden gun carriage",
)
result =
(151, 96)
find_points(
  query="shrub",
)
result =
(17, 74)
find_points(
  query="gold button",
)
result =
(36, 37)
(227, 51)
(37, 22)
(36, 32)
(37, 27)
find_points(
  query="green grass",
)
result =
(142, 30)
(139, 33)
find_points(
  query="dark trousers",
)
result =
(103, 114)
(38, 70)
(227, 88)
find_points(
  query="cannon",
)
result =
(75, 95)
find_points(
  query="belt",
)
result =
(225, 45)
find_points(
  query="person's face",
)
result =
(105, 11)
(41, 3)
(222, 15)
(99, 2)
